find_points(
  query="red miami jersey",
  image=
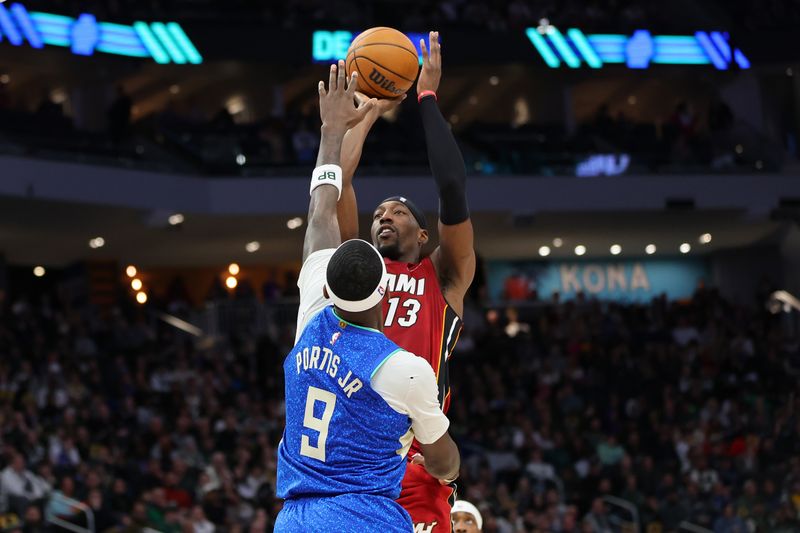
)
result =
(418, 319)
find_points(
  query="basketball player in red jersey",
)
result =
(423, 312)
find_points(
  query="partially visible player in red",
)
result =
(427, 293)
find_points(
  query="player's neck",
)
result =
(364, 319)
(410, 257)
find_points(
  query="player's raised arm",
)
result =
(338, 113)
(352, 148)
(455, 257)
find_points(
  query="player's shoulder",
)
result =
(408, 362)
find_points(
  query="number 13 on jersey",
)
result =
(409, 312)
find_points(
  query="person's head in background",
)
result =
(466, 518)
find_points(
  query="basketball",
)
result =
(386, 61)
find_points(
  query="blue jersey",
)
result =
(341, 436)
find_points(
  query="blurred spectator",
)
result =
(21, 486)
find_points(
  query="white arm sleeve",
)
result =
(311, 282)
(408, 385)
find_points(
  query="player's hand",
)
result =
(382, 105)
(418, 459)
(431, 64)
(336, 107)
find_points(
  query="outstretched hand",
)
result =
(382, 105)
(431, 64)
(336, 107)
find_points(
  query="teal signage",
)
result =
(624, 281)
(162, 42)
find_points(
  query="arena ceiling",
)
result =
(50, 233)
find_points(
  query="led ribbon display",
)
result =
(163, 42)
(637, 51)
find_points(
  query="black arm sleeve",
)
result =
(447, 164)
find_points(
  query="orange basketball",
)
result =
(386, 61)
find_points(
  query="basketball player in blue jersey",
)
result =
(354, 399)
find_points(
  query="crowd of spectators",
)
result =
(688, 411)
(221, 143)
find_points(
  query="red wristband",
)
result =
(423, 94)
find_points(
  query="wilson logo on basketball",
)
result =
(383, 82)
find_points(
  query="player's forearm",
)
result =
(323, 228)
(352, 148)
(330, 146)
(447, 164)
(442, 458)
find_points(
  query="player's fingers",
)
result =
(436, 49)
(332, 78)
(418, 459)
(352, 85)
(321, 88)
(365, 108)
(424, 50)
(341, 78)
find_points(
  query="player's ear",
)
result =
(423, 237)
(325, 292)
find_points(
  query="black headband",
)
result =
(416, 211)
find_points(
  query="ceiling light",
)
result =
(231, 282)
(141, 297)
(241, 160)
(294, 223)
(705, 238)
(650, 249)
(615, 249)
(136, 284)
(39, 271)
(97, 242)
(580, 249)
(235, 105)
(175, 219)
(174, 89)
(130, 271)
(686, 248)
(544, 251)
(233, 269)
(494, 80)
(4, 79)
(558, 242)
(252, 246)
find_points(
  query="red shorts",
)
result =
(426, 500)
